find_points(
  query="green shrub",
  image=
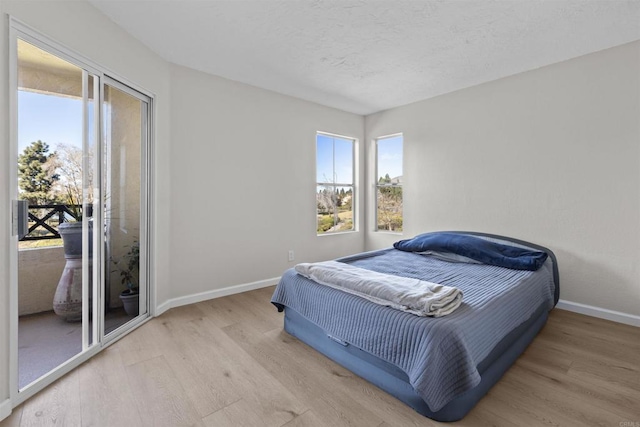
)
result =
(325, 222)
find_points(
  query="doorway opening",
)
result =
(82, 143)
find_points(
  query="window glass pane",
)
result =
(334, 208)
(344, 206)
(334, 205)
(123, 131)
(389, 215)
(50, 179)
(343, 161)
(389, 184)
(390, 160)
(324, 162)
(326, 208)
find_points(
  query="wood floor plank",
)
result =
(285, 358)
(626, 335)
(238, 414)
(380, 403)
(555, 399)
(266, 313)
(492, 411)
(200, 366)
(100, 406)
(620, 373)
(242, 308)
(273, 402)
(585, 344)
(187, 313)
(222, 312)
(308, 419)
(229, 362)
(57, 405)
(504, 410)
(611, 396)
(160, 397)
(552, 359)
(142, 344)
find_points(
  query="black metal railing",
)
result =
(45, 219)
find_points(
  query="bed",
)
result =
(441, 367)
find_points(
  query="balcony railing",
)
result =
(45, 219)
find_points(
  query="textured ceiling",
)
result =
(367, 56)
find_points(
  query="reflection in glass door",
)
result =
(125, 135)
(79, 267)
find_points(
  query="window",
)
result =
(335, 190)
(389, 183)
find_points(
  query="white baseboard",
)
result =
(215, 293)
(589, 310)
(5, 409)
(602, 313)
(162, 308)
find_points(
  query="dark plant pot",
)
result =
(67, 301)
(71, 233)
(131, 302)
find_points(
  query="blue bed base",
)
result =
(394, 381)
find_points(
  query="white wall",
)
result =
(37, 286)
(243, 183)
(551, 156)
(80, 27)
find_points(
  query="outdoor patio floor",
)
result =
(45, 341)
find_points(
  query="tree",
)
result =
(347, 200)
(327, 202)
(68, 164)
(389, 205)
(36, 173)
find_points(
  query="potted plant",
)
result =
(129, 267)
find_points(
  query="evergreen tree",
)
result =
(36, 174)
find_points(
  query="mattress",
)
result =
(440, 367)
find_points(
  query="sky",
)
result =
(341, 150)
(56, 119)
(334, 155)
(51, 119)
(390, 156)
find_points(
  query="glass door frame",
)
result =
(18, 30)
(145, 218)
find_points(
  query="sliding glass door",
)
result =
(57, 275)
(80, 215)
(125, 132)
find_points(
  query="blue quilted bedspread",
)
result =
(439, 355)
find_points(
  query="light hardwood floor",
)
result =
(227, 362)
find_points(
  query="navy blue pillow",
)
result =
(475, 248)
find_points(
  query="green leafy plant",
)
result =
(129, 266)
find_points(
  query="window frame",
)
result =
(377, 185)
(335, 185)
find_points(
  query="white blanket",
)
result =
(402, 293)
